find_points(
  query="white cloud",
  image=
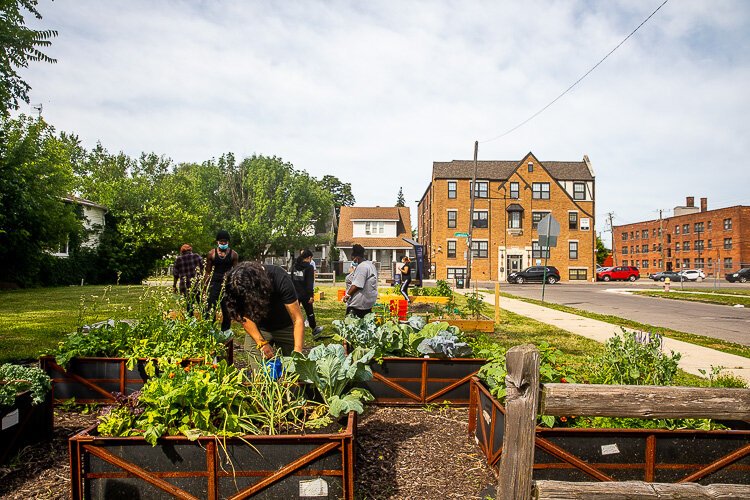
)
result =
(374, 92)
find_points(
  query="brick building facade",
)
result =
(510, 199)
(717, 241)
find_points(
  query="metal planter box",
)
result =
(652, 455)
(269, 467)
(418, 381)
(93, 380)
(24, 424)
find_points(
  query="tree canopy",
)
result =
(19, 45)
(400, 200)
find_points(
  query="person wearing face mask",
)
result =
(220, 260)
(362, 294)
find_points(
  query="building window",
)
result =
(686, 229)
(708, 225)
(710, 262)
(514, 190)
(685, 246)
(654, 233)
(452, 189)
(481, 190)
(644, 234)
(727, 224)
(536, 217)
(661, 264)
(677, 229)
(540, 190)
(451, 249)
(579, 191)
(644, 263)
(686, 263)
(572, 220)
(514, 220)
(727, 243)
(479, 249)
(699, 263)
(727, 263)
(698, 244)
(677, 247)
(480, 219)
(456, 272)
(644, 248)
(452, 216)
(624, 250)
(374, 227)
(531, 167)
(710, 244)
(624, 236)
(573, 250)
(577, 274)
(698, 227)
(538, 252)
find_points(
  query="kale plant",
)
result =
(15, 379)
(444, 344)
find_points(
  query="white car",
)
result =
(693, 274)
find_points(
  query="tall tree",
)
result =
(19, 45)
(341, 192)
(400, 200)
(35, 175)
(269, 206)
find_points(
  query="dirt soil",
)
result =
(401, 453)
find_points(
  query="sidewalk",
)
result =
(694, 357)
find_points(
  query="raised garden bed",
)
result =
(93, 380)
(470, 325)
(24, 424)
(419, 381)
(282, 466)
(653, 455)
(418, 299)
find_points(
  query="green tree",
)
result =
(400, 200)
(19, 45)
(270, 207)
(601, 251)
(341, 192)
(35, 175)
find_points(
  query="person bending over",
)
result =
(262, 298)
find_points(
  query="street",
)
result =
(727, 323)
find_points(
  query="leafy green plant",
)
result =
(15, 379)
(443, 289)
(631, 359)
(334, 373)
(475, 304)
(445, 344)
(717, 378)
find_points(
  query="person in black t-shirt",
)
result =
(405, 277)
(262, 298)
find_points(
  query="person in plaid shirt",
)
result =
(186, 266)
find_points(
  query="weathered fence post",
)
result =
(521, 403)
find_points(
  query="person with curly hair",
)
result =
(263, 299)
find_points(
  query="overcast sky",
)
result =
(374, 92)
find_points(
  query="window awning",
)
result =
(514, 207)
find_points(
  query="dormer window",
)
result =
(531, 167)
(374, 227)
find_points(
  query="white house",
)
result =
(93, 224)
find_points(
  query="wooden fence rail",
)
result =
(523, 404)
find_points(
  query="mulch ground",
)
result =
(401, 453)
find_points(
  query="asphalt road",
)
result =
(722, 322)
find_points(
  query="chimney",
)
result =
(690, 202)
(704, 204)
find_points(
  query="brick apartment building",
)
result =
(693, 238)
(510, 199)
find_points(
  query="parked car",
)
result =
(663, 275)
(535, 273)
(629, 273)
(693, 274)
(743, 276)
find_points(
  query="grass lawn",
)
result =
(712, 343)
(708, 298)
(33, 321)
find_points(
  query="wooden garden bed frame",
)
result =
(262, 466)
(419, 381)
(523, 405)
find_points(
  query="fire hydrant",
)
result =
(666, 284)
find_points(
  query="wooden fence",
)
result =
(524, 401)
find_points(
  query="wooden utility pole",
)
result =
(612, 232)
(471, 217)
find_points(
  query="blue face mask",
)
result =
(224, 247)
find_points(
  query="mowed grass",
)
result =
(727, 299)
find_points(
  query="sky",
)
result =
(374, 91)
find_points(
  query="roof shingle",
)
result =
(502, 170)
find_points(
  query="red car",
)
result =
(629, 273)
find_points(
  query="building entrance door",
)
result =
(514, 263)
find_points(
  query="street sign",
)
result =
(549, 230)
(461, 235)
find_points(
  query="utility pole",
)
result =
(612, 232)
(471, 217)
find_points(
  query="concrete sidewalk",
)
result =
(694, 357)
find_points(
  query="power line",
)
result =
(527, 120)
